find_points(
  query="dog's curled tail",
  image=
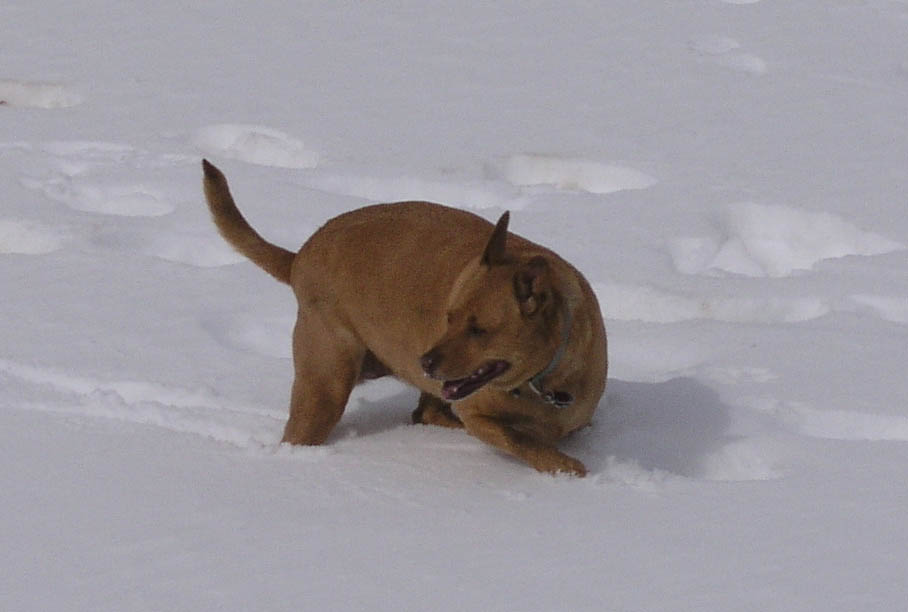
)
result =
(273, 259)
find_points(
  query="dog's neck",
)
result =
(559, 399)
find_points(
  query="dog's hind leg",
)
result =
(433, 411)
(327, 361)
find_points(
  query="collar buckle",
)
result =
(559, 399)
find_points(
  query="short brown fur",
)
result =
(428, 293)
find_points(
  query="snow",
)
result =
(767, 240)
(37, 95)
(577, 174)
(255, 145)
(729, 175)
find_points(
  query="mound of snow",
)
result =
(894, 309)
(576, 174)
(27, 238)
(102, 196)
(255, 144)
(37, 95)
(744, 62)
(768, 240)
(713, 45)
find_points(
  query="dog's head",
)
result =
(503, 322)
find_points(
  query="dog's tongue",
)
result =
(459, 389)
(462, 387)
(450, 390)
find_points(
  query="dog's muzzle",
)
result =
(460, 388)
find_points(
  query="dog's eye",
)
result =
(475, 331)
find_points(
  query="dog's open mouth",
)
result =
(462, 387)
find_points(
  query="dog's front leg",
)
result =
(542, 456)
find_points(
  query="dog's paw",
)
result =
(574, 468)
(561, 464)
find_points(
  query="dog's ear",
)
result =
(533, 286)
(494, 253)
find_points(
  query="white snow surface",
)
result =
(729, 175)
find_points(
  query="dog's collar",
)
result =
(559, 399)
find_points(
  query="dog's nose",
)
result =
(429, 362)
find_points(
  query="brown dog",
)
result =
(502, 336)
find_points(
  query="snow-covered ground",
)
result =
(729, 175)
